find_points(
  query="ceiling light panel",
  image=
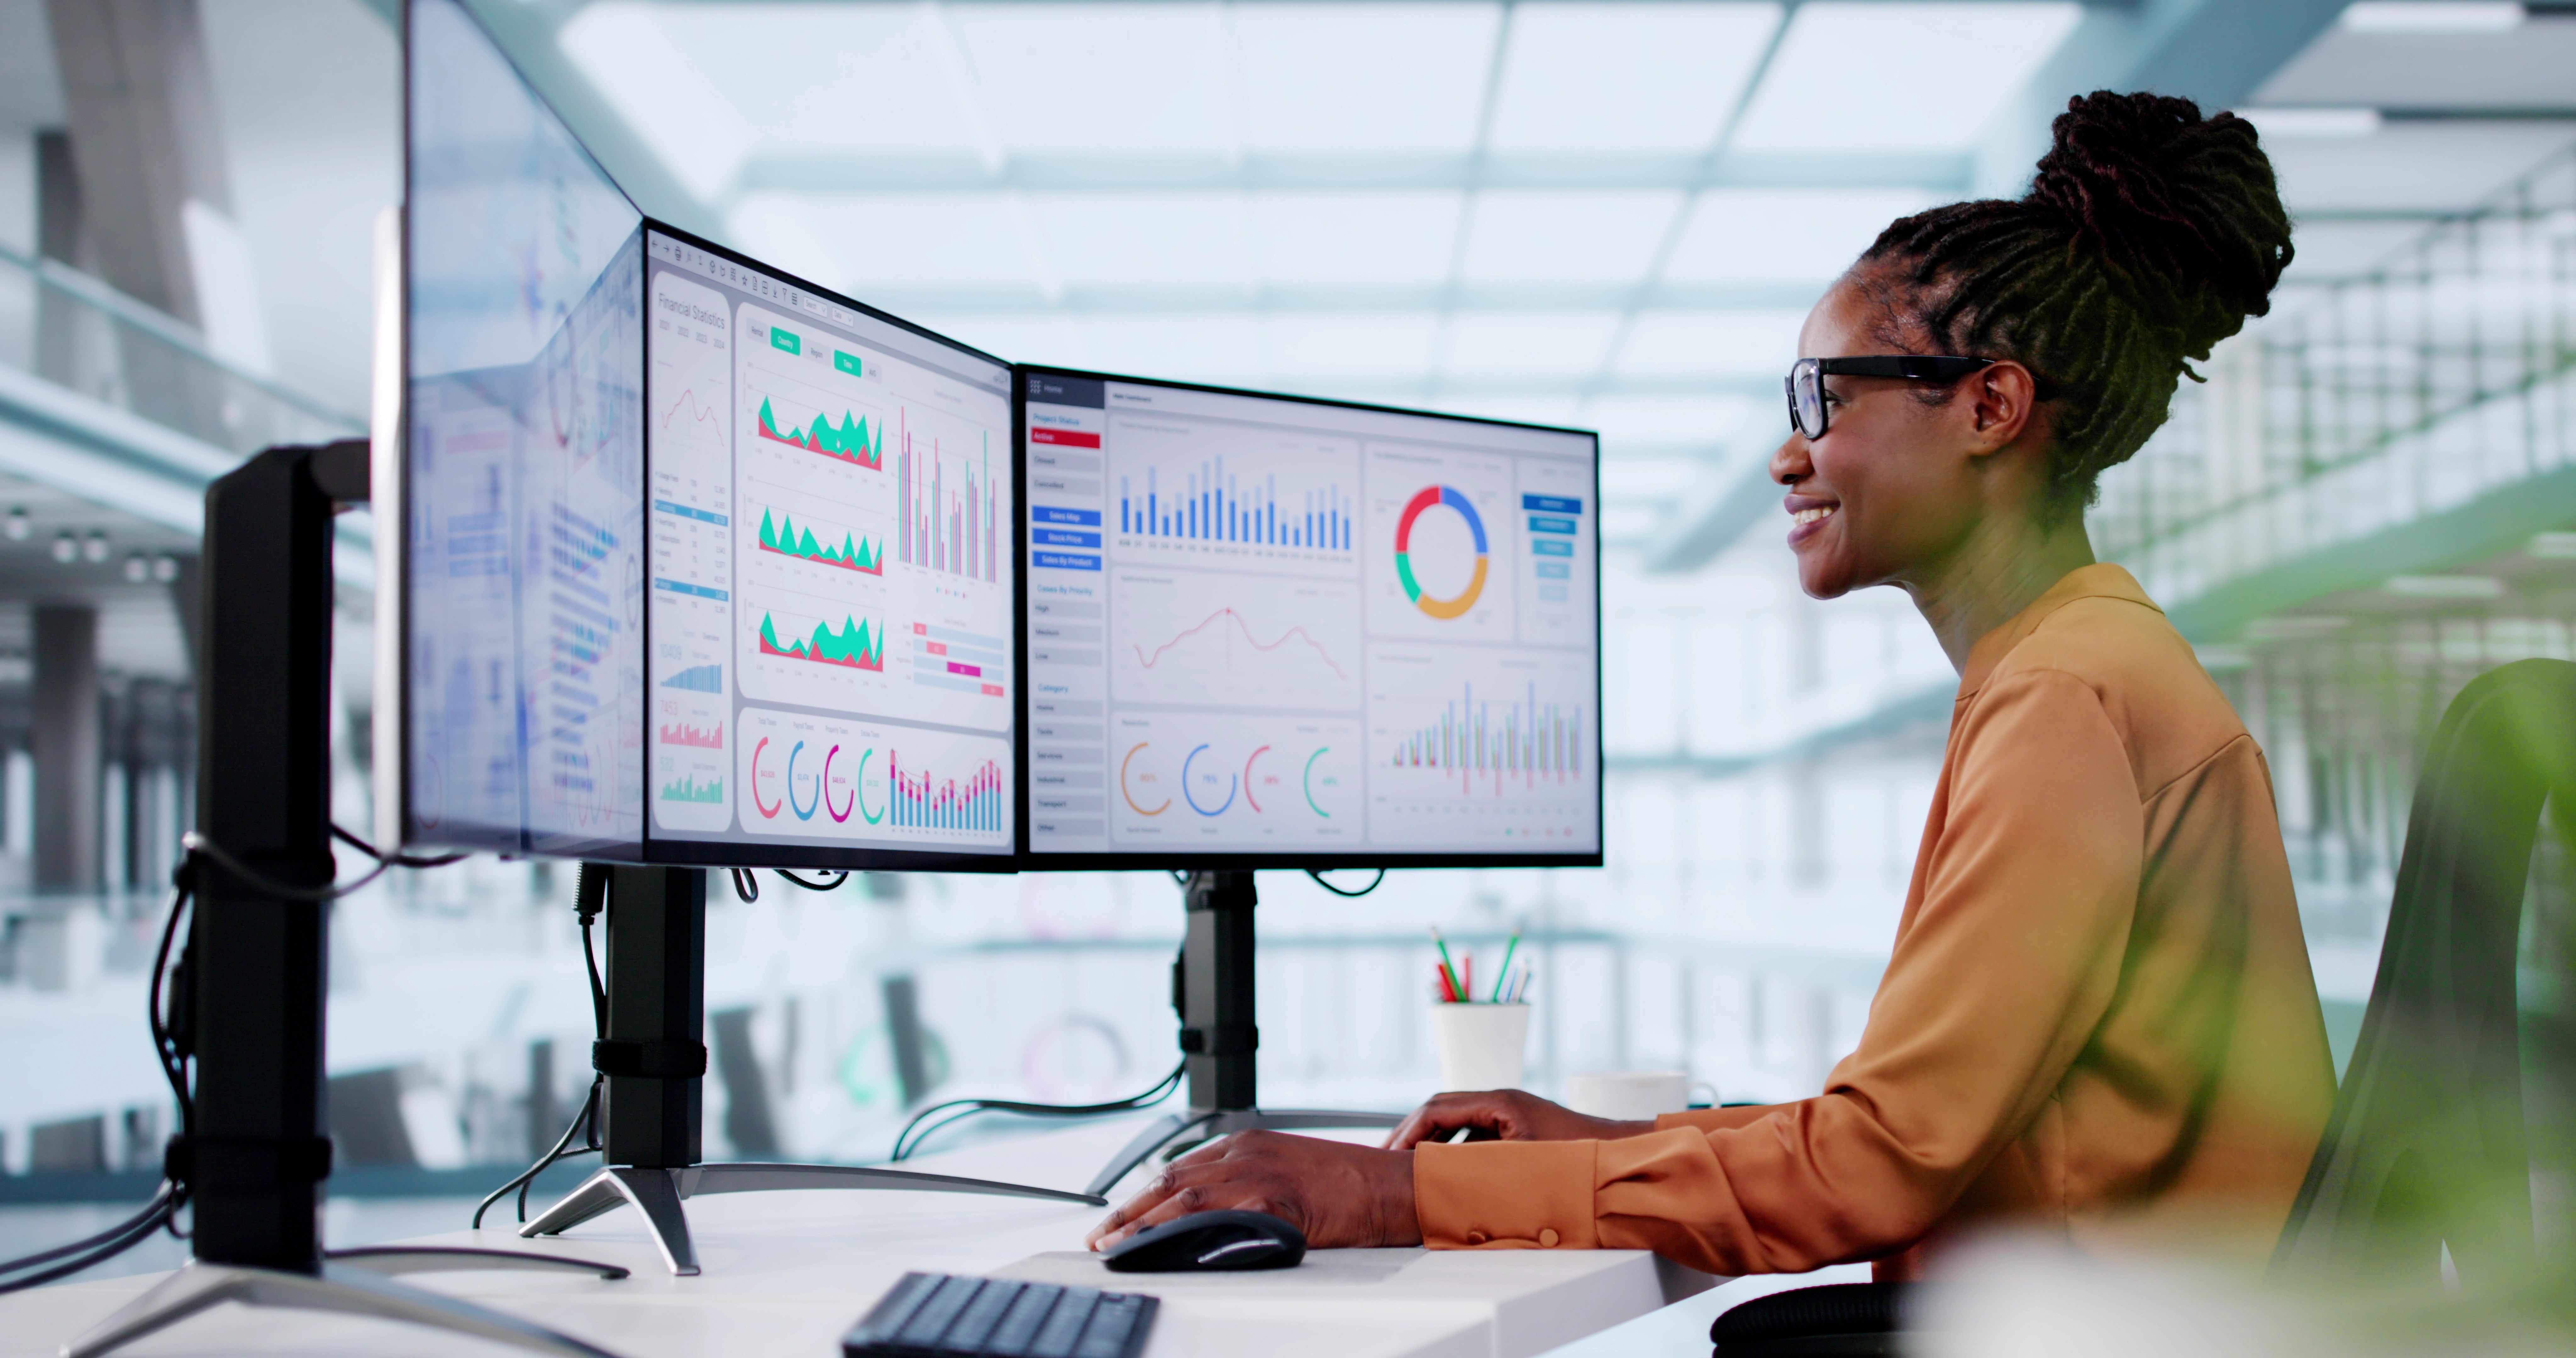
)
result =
(1377, 351)
(1356, 240)
(1048, 337)
(1915, 77)
(1710, 345)
(1634, 78)
(1222, 348)
(625, 52)
(877, 83)
(1545, 237)
(1095, 79)
(1524, 409)
(1361, 78)
(1664, 421)
(898, 242)
(1784, 235)
(1564, 346)
(1151, 240)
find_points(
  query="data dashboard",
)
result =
(832, 585)
(1291, 629)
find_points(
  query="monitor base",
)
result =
(1211, 1123)
(658, 1193)
(352, 1285)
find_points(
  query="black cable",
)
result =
(1162, 1089)
(746, 886)
(832, 885)
(166, 1045)
(117, 1240)
(1374, 882)
(589, 900)
(398, 860)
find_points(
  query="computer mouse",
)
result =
(1209, 1242)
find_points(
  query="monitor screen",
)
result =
(1273, 630)
(698, 563)
(520, 556)
(833, 574)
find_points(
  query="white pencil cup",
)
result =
(1480, 1044)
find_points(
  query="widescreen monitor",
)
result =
(1279, 631)
(696, 562)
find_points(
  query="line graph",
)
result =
(699, 414)
(1208, 637)
(855, 553)
(1243, 628)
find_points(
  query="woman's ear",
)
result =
(2001, 401)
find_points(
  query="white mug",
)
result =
(1629, 1095)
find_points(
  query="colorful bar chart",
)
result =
(950, 510)
(1526, 742)
(689, 789)
(1211, 505)
(682, 733)
(924, 802)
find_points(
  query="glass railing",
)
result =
(78, 333)
(2445, 375)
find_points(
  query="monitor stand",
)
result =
(257, 1150)
(1212, 986)
(655, 1058)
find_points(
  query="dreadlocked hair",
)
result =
(2149, 235)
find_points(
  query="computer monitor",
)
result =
(697, 563)
(1280, 631)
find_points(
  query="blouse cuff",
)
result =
(1505, 1195)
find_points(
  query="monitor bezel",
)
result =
(718, 854)
(1031, 860)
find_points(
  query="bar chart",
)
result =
(951, 506)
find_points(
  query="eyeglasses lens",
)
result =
(1807, 400)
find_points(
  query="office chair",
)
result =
(2425, 1147)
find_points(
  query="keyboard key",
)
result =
(885, 1320)
(939, 1312)
(1112, 1322)
(1019, 1329)
(1064, 1328)
(976, 1324)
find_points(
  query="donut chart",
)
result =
(1424, 499)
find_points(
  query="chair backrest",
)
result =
(2426, 1143)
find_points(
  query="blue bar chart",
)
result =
(1210, 504)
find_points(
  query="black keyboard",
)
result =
(943, 1314)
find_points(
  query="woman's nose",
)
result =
(1789, 464)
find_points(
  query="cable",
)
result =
(116, 1240)
(398, 860)
(195, 842)
(746, 885)
(171, 1052)
(589, 899)
(1374, 882)
(832, 885)
(1162, 1089)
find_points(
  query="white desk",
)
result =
(788, 1273)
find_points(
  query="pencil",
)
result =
(1505, 974)
(1449, 969)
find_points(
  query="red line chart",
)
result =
(689, 401)
(1245, 627)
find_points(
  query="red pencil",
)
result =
(1446, 994)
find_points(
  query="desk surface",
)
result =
(788, 1273)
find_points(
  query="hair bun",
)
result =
(2183, 208)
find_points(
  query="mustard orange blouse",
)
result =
(2098, 1017)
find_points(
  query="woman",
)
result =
(2098, 1017)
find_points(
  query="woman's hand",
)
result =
(1339, 1194)
(1509, 1114)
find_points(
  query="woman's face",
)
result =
(1889, 488)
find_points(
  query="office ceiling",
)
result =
(1612, 214)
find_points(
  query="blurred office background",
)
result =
(1607, 215)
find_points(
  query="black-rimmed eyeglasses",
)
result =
(1806, 380)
